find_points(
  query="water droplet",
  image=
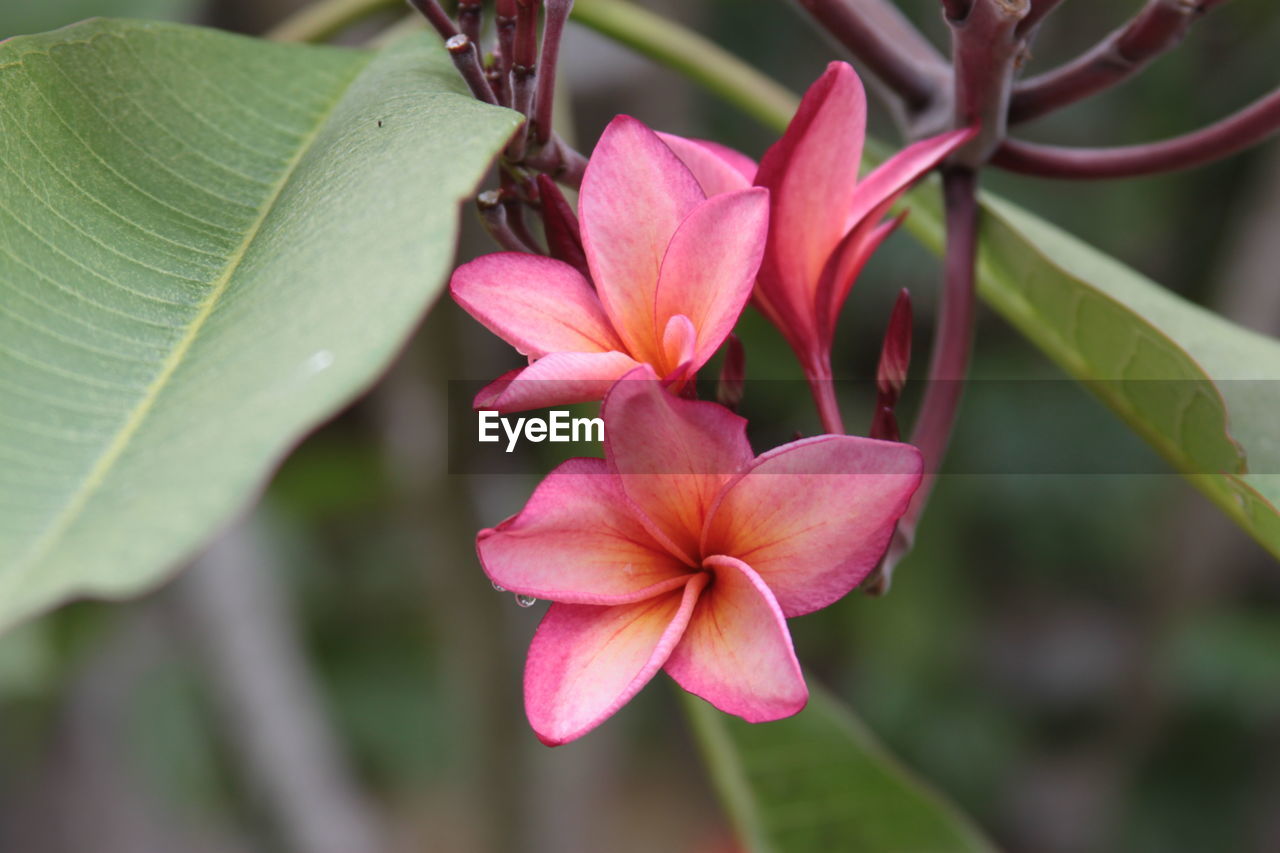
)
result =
(498, 588)
(320, 360)
(526, 600)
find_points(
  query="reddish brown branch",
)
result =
(544, 101)
(493, 213)
(986, 50)
(470, 18)
(883, 40)
(1156, 29)
(948, 363)
(1248, 127)
(436, 17)
(1040, 10)
(504, 23)
(466, 58)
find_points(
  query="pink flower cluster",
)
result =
(681, 549)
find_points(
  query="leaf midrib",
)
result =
(121, 440)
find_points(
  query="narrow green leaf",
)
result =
(819, 781)
(208, 244)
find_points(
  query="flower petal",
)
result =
(673, 455)
(577, 541)
(538, 305)
(678, 340)
(812, 175)
(587, 661)
(814, 517)
(718, 168)
(894, 176)
(635, 194)
(845, 265)
(736, 652)
(558, 379)
(711, 264)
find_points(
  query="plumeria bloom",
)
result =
(671, 270)
(682, 550)
(824, 222)
(827, 223)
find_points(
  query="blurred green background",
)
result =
(1082, 662)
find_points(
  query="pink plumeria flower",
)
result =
(827, 223)
(824, 223)
(672, 270)
(683, 550)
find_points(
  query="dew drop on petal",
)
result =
(497, 588)
(526, 600)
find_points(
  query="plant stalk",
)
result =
(883, 40)
(1248, 127)
(949, 361)
(1156, 29)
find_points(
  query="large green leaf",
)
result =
(208, 244)
(819, 781)
(1202, 390)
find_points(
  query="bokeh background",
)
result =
(1085, 662)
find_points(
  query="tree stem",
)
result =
(986, 50)
(1156, 29)
(949, 361)
(824, 397)
(883, 40)
(1247, 127)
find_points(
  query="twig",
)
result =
(493, 213)
(1239, 131)
(242, 626)
(504, 22)
(949, 362)
(524, 73)
(1157, 28)
(466, 58)
(878, 35)
(436, 17)
(986, 51)
(544, 102)
(1040, 10)
(559, 160)
(470, 18)
(823, 387)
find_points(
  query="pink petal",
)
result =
(635, 194)
(678, 340)
(894, 176)
(538, 305)
(814, 517)
(577, 541)
(558, 379)
(845, 265)
(587, 661)
(711, 264)
(736, 652)
(812, 173)
(718, 168)
(673, 455)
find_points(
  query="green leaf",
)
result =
(208, 245)
(1201, 390)
(820, 781)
